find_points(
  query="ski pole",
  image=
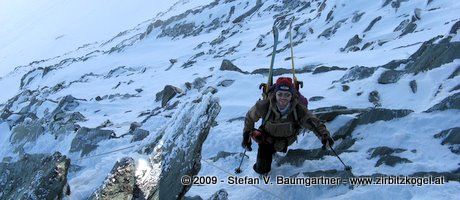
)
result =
(238, 170)
(347, 167)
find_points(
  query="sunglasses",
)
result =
(283, 94)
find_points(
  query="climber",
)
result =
(282, 118)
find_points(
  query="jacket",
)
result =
(282, 131)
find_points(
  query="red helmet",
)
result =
(258, 136)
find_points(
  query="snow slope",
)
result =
(110, 51)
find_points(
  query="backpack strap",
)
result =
(269, 111)
(296, 118)
(294, 110)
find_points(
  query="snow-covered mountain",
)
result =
(128, 116)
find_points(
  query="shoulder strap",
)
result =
(269, 111)
(296, 118)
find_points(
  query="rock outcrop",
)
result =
(35, 176)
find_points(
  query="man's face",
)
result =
(283, 98)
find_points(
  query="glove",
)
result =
(246, 141)
(327, 139)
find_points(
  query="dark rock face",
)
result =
(24, 133)
(66, 104)
(199, 83)
(367, 45)
(226, 83)
(176, 149)
(391, 161)
(280, 71)
(210, 89)
(387, 2)
(31, 75)
(357, 16)
(367, 117)
(330, 113)
(355, 40)
(455, 88)
(453, 175)
(227, 65)
(451, 102)
(178, 154)
(384, 151)
(409, 28)
(196, 197)
(167, 94)
(316, 98)
(386, 157)
(327, 33)
(393, 64)
(223, 155)
(346, 130)
(120, 182)
(431, 56)
(134, 125)
(369, 27)
(86, 139)
(413, 86)
(139, 134)
(9, 113)
(35, 176)
(455, 28)
(322, 69)
(185, 160)
(377, 114)
(183, 29)
(450, 137)
(455, 73)
(188, 64)
(390, 76)
(297, 157)
(219, 195)
(249, 12)
(374, 98)
(357, 73)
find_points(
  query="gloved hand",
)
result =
(326, 138)
(246, 141)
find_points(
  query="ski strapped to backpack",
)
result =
(297, 84)
(266, 86)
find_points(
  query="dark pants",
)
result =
(264, 158)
